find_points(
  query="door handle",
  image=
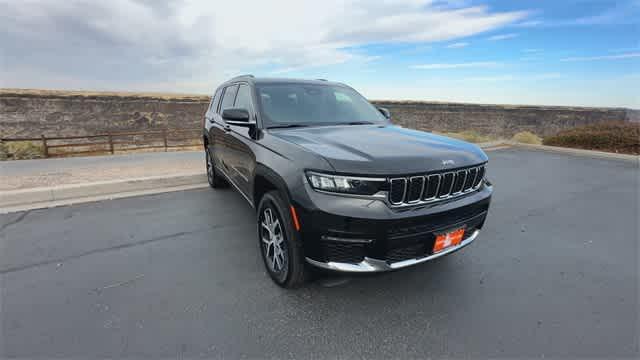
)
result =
(227, 128)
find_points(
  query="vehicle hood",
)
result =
(383, 149)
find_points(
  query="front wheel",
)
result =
(279, 244)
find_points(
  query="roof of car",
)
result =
(266, 80)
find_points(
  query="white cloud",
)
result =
(139, 42)
(502, 37)
(457, 45)
(477, 64)
(604, 57)
(371, 58)
(528, 23)
(509, 77)
(497, 78)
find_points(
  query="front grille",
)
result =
(398, 190)
(423, 247)
(416, 185)
(433, 187)
(468, 232)
(406, 253)
(341, 252)
(447, 185)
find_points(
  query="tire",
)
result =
(285, 266)
(214, 180)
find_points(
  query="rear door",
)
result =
(214, 127)
(221, 131)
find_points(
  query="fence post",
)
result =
(45, 149)
(164, 135)
(110, 142)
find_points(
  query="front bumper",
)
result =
(374, 265)
(354, 235)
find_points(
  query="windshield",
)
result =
(314, 104)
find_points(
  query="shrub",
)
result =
(619, 137)
(469, 135)
(527, 137)
(4, 153)
(22, 150)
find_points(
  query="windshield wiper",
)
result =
(284, 126)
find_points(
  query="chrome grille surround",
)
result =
(397, 184)
(415, 186)
(433, 182)
(468, 180)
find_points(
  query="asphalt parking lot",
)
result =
(553, 274)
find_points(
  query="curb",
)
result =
(26, 199)
(578, 152)
(40, 197)
(501, 144)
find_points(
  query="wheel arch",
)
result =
(205, 141)
(266, 180)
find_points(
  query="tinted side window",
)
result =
(216, 99)
(229, 97)
(243, 100)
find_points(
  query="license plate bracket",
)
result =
(448, 239)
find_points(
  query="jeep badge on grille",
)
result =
(448, 162)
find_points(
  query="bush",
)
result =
(526, 137)
(619, 137)
(21, 150)
(4, 153)
(469, 135)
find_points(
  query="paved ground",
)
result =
(554, 274)
(25, 174)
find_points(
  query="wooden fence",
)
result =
(112, 142)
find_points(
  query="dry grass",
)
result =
(618, 137)
(99, 94)
(526, 137)
(21, 150)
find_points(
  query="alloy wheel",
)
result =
(273, 242)
(210, 174)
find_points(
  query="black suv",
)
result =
(335, 184)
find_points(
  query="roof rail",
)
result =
(242, 76)
(322, 79)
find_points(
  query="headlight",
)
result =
(345, 184)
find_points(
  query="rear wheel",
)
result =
(215, 181)
(279, 244)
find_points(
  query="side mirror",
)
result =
(237, 117)
(385, 112)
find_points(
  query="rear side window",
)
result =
(243, 100)
(229, 97)
(216, 99)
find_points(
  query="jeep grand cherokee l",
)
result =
(335, 184)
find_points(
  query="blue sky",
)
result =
(570, 52)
